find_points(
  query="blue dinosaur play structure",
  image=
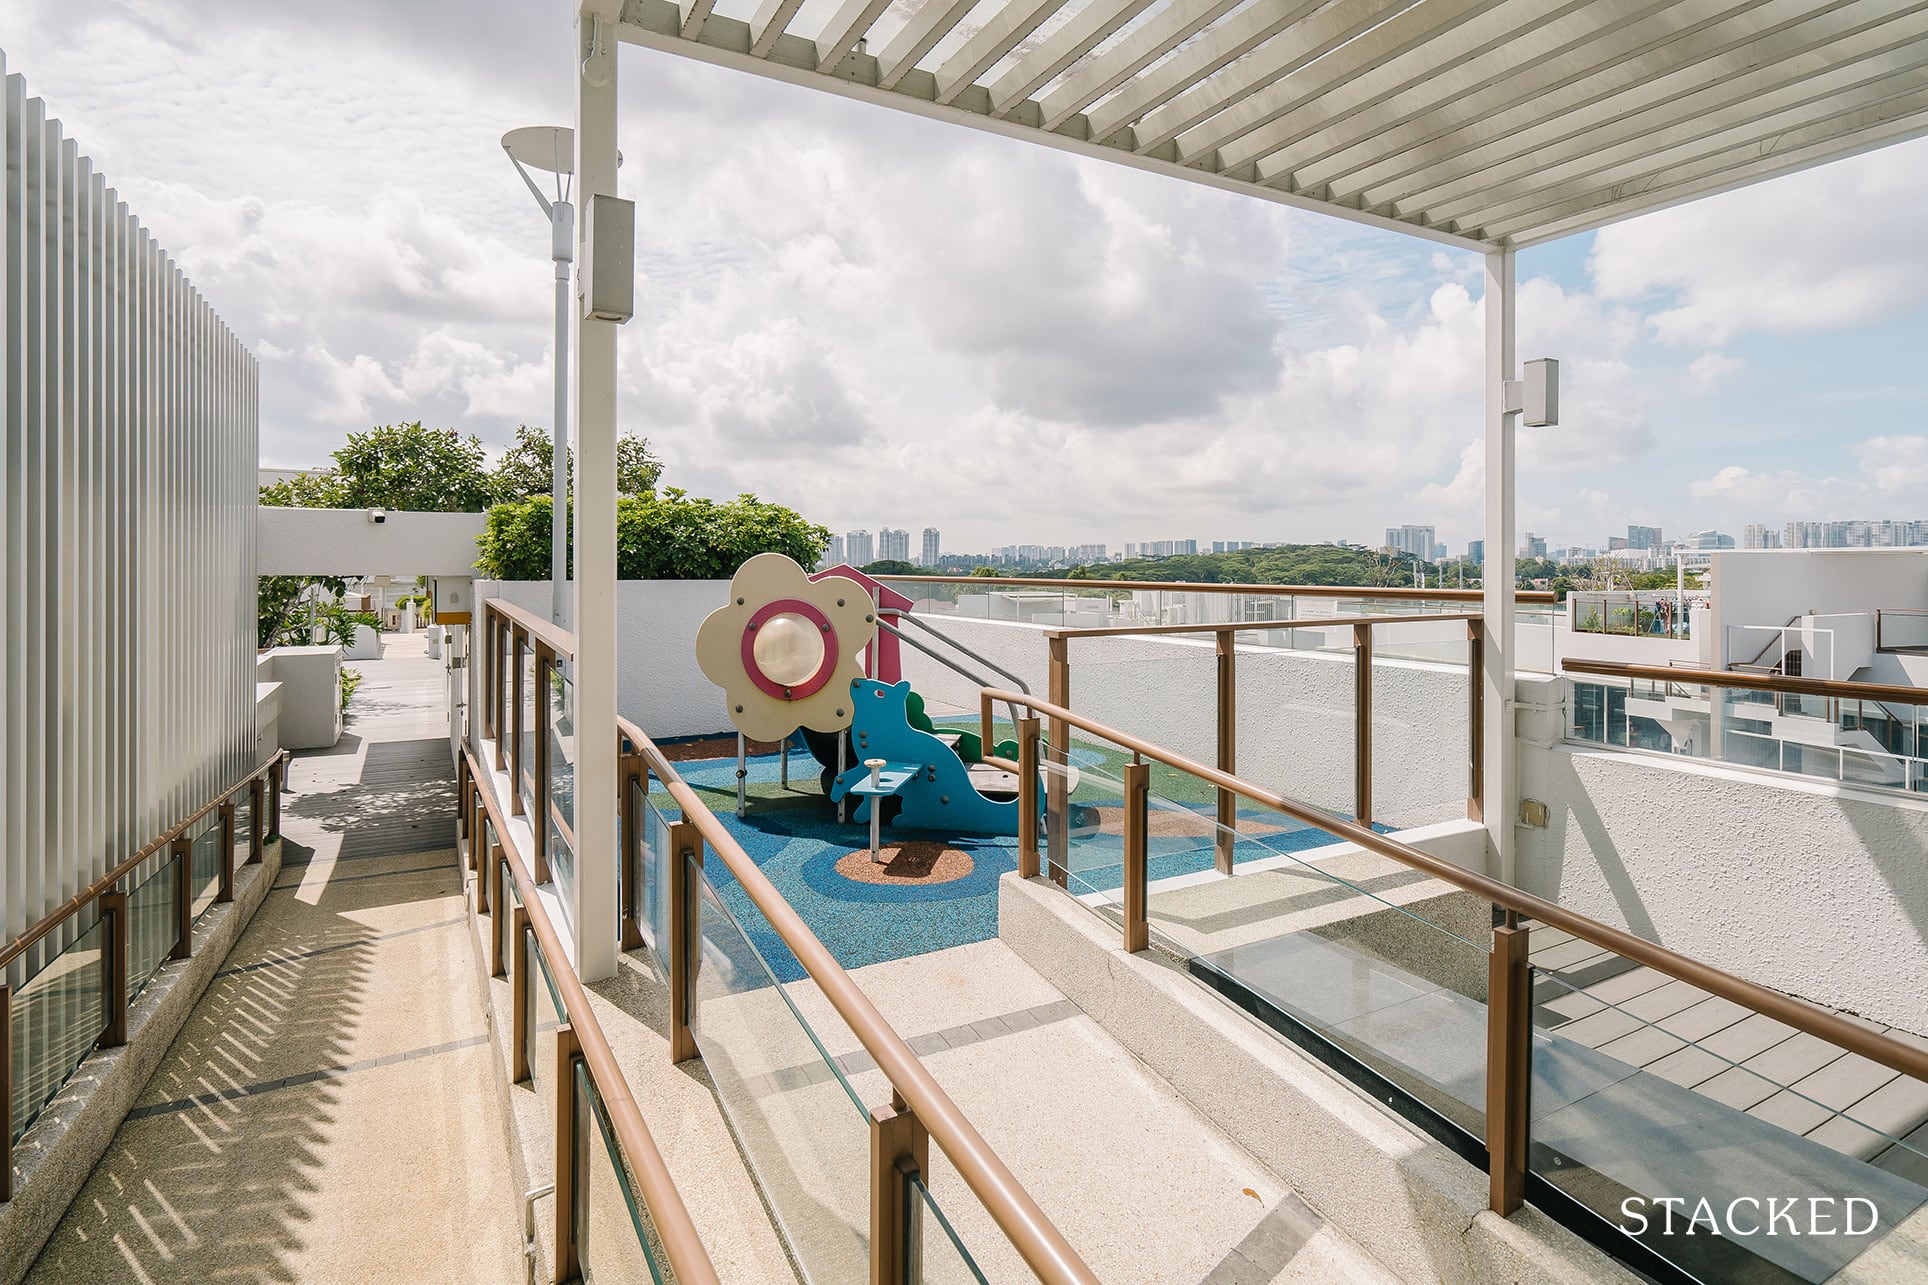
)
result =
(925, 774)
(818, 655)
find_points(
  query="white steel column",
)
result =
(595, 918)
(1501, 754)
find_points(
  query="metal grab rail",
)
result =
(1907, 1059)
(104, 889)
(674, 1228)
(1037, 1240)
(1226, 683)
(1276, 590)
(67, 909)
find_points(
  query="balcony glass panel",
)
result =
(1360, 959)
(938, 1253)
(59, 1012)
(153, 924)
(205, 862)
(545, 1019)
(612, 1227)
(1874, 744)
(1689, 1122)
(526, 746)
(804, 1130)
(654, 866)
(560, 727)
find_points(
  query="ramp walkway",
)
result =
(325, 1114)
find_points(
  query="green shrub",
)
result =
(673, 536)
(350, 680)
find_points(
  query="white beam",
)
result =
(594, 914)
(1088, 28)
(716, 50)
(1698, 126)
(1016, 20)
(1164, 32)
(1892, 120)
(917, 37)
(1498, 657)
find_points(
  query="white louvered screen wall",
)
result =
(127, 489)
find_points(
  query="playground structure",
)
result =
(820, 654)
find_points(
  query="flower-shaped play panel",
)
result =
(786, 648)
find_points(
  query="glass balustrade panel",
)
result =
(59, 1012)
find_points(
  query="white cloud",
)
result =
(1709, 370)
(1897, 464)
(1806, 252)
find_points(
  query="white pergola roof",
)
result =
(1478, 123)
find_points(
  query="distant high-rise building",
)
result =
(858, 548)
(1532, 546)
(1088, 553)
(1439, 553)
(1413, 541)
(1756, 535)
(835, 554)
(1476, 552)
(893, 544)
(1709, 540)
(931, 553)
(1643, 537)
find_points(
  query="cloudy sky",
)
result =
(887, 321)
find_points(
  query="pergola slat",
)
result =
(1775, 70)
(991, 42)
(1091, 25)
(1216, 66)
(1480, 123)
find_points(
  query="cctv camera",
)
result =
(378, 515)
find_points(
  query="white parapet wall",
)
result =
(343, 542)
(309, 714)
(1806, 886)
(1295, 710)
(659, 686)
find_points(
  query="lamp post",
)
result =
(552, 150)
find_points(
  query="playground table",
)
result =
(891, 778)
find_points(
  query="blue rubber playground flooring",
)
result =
(793, 836)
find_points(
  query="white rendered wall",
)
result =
(309, 716)
(128, 475)
(346, 542)
(1800, 885)
(659, 686)
(1767, 586)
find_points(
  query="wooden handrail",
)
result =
(1258, 626)
(105, 884)
(681, 1244)
(1276, 590)
(1838, 688)
(1801, 1015)
(1037, 1240)
(556, 639)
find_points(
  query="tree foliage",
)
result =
(1313, 564)
(523, 472)
(404, 467)
(892, 567)
(673, 536)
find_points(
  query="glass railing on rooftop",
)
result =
(1862, 734)
(69, 983)
(1591, 1072)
